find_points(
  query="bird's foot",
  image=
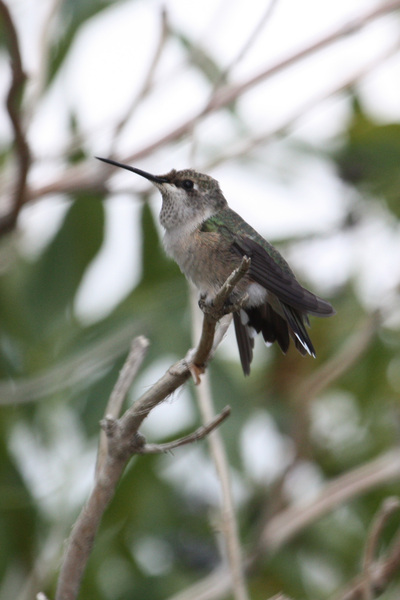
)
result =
(232, 307)
(195, 370)
(206, 304)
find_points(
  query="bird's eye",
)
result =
(187, 184)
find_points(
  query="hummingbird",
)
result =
(208, 240)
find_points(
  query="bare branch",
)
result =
(148, 81)
(389, 506)
(44, 40)
(249, 42)
(246, 146)
(290, 521)
(228, 525)
(380, 572)
(13, 103)
(196, 436)
(82, 536)
(124, 440)
(388, 567)
(127, 375)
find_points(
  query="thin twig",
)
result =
(249, 42)
(44, 40)
(13, 103)
(245, 147)
(229, 524)
(381, 574)
(288, 522)
(388, 507)
(127, 375)
(114, 405)
(195, 436)
(226, 96)
(148, 80)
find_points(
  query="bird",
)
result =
(208, 240)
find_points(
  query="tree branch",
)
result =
(290, 521)
(148, 80)
(13, 103)
(246, 146)
(388, 507)
(123, 439)
(228, 520)
(126, 377)
(377, 574)
(195, 436)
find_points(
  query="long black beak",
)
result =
(149, 176)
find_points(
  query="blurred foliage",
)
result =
(370, 159)
(73, 16)
(56, 373)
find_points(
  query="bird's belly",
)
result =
(207, 265)
(201, 272)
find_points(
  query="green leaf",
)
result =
(201, 58)
(73, 15)
(56, 276)
(157, 266)
(370, 158)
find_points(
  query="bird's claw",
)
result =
(205, 304)
(195, 370)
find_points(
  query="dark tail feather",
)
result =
(298, 331)
(275, 328)
(245, 343)
(272, 326)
